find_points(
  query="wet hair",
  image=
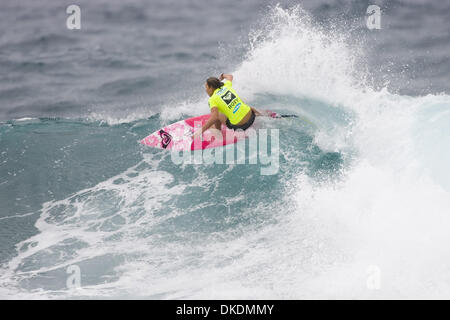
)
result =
(214, 83)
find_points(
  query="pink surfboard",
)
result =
(178, 136)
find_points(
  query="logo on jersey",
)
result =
(228, 97)
(236, 108)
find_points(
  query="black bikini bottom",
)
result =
(244, 126)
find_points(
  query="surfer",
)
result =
(226, 106)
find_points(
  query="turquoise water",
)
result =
(96, 180)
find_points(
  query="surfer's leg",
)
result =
(222, 120)
(257, 113)
(217, 127)
(218, 124)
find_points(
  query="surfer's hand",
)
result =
(197, 134)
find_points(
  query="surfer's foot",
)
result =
(216, 133)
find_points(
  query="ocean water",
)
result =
(360, 205)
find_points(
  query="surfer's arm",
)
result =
(212, 119)
(226, 76)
